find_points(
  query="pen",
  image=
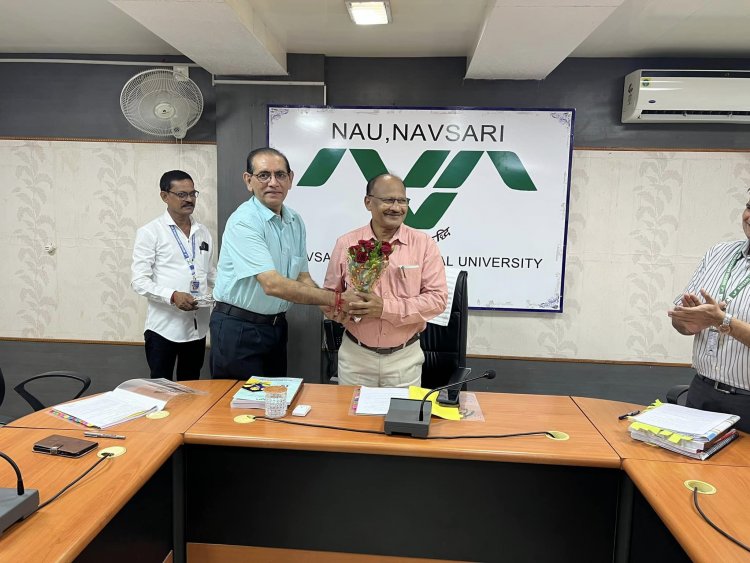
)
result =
(627, 414)
(103, 435)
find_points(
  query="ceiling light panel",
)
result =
(377, 12)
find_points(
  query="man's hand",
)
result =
(690, 300)
(184, 301)
(347, 297)
(370, 305)
(693, 316)
(339, 317)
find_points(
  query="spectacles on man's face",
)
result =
(265, 177)
(185, 195)
(389, 201)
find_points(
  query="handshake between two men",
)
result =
(354, 305)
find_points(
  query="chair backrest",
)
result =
(333, 332)
(445, 346)
(35, 403)
(2, 387)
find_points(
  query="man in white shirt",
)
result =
(172, 266)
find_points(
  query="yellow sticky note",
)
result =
(647, 427)
(448, 413)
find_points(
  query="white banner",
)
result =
(490, 186)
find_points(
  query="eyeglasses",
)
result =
(185, 195)
(388, 201)
(265, 177)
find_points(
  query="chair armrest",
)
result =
(36, 403)
(456, 377)
(676, 392)
(333, 333)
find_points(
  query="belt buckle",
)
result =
(716, 386)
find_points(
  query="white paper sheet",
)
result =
(451, 275)
(376, 400)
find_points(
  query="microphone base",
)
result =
(15, 507)
(402, 418)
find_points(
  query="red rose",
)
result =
(353, 249)
(386, 249)
(369, 245)
(362, 242)
(361, 257)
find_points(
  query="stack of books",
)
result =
(252, 395)
(691, 432)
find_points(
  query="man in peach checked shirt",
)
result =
(382, 349)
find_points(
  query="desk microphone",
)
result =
(411, 417)
(16, 504)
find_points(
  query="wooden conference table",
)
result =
(274, 491)
(124, 507)
(184, 411)
(320, 489)
(123, 488)
(661, 506)
(663, 486)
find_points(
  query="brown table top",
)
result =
(662, 484)
(603, 415)
(183, 410)
(60, 531)
(504, 414)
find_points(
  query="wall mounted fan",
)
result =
(162, 102)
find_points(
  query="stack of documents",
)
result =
(690, 432)
(132, 399)
(252, 395)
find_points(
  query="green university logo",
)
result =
(507, 164)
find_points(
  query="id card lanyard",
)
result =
(713, 332)
(725, 280)
(195, 285)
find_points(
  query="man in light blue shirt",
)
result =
(262, 270)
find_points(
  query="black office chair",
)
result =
(677, 394)
(330, 341)
(444, 346)
(35, 403)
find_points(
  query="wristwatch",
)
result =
(725, 327)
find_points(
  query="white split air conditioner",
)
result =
(686, 96)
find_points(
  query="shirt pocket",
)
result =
(408, 281)
(295, 266)
(202, 259)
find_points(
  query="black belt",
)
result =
(384, 351)
(723, 387)
(246, 315)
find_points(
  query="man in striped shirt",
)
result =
(715, 307)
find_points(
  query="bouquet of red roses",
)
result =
(368, 259)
